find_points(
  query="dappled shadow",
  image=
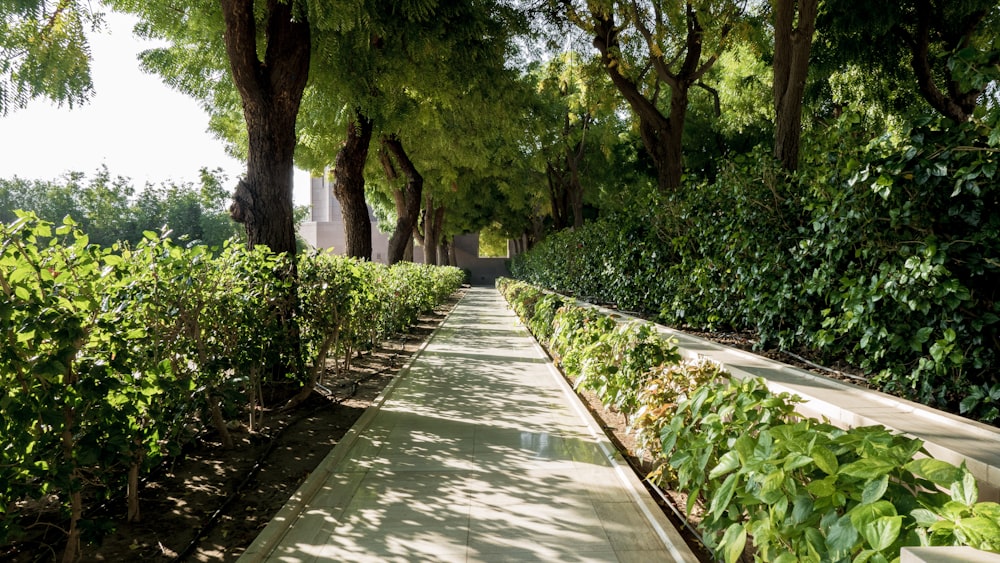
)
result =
(476, 455)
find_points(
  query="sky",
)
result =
(136, 125)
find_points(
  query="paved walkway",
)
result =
(478, 452)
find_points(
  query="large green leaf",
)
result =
(875, 489)
(882, 532)
(841, 538)
(825, 459)
(728, 462)
(868, 468)
(939, 472)
(733, 542)
(721, 498)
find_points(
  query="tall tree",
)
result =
(648, 46)
(44, 52)
(396, 162)
(271, 90)
(794, 25)
(349, 187)
(944, 43)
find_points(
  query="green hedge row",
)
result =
(111, 356)
(796, 489)
(886, 256)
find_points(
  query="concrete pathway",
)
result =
(479, 451)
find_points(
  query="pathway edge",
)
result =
(272, 534)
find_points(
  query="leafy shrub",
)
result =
(796, 488)
(112, 354)
(883, 255)
(619, 363)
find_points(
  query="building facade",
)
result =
(325, 229)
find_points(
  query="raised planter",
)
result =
(946, 555)
(946, 436)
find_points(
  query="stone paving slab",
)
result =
(477, 452)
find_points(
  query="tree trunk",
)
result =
(408, 252)
(271, 90)
(132, 492)
(661, 135)
(557, 196)
(792, 43)
(408, 200)
(71, 553)
(956, 104)
(433, 222)
(349, 187)
(574, 187)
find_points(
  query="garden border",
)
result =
(946, 436)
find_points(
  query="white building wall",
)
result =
(325, 229)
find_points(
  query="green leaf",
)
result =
(939, 472)
(979, 532)
(802, 509)
(924, 334)
(868, 468)
(883, 532)
(728, 462)
(794, 461)
(864, 514)
(924, 517)
(841, 537)
(825, 460)
(721, 498)
(875, 489)
(733, 542)
(823, 487)
(966, 490)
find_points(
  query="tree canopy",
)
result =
(44, 52)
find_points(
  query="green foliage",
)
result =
(109, 210)
(883, 255)
(794, 488)
(112, 355)
(618, 365)
(44, 52)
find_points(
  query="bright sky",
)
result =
(136, 125)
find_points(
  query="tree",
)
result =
(44, 52)
(794, 24)
(245, 58)
(576, 127)
(645, 47)
(945, 43)
(396, 162)
(271, 90)
(349, 187)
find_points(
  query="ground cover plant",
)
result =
(115, 357)
(756, 473)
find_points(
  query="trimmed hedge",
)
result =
(886, 257)
(112, 356)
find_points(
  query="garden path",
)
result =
(479, 451)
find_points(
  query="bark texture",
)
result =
(407, 199)
(661, 134)
(349, 188)
(433, 225)
(271, 91)
(792, 44)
